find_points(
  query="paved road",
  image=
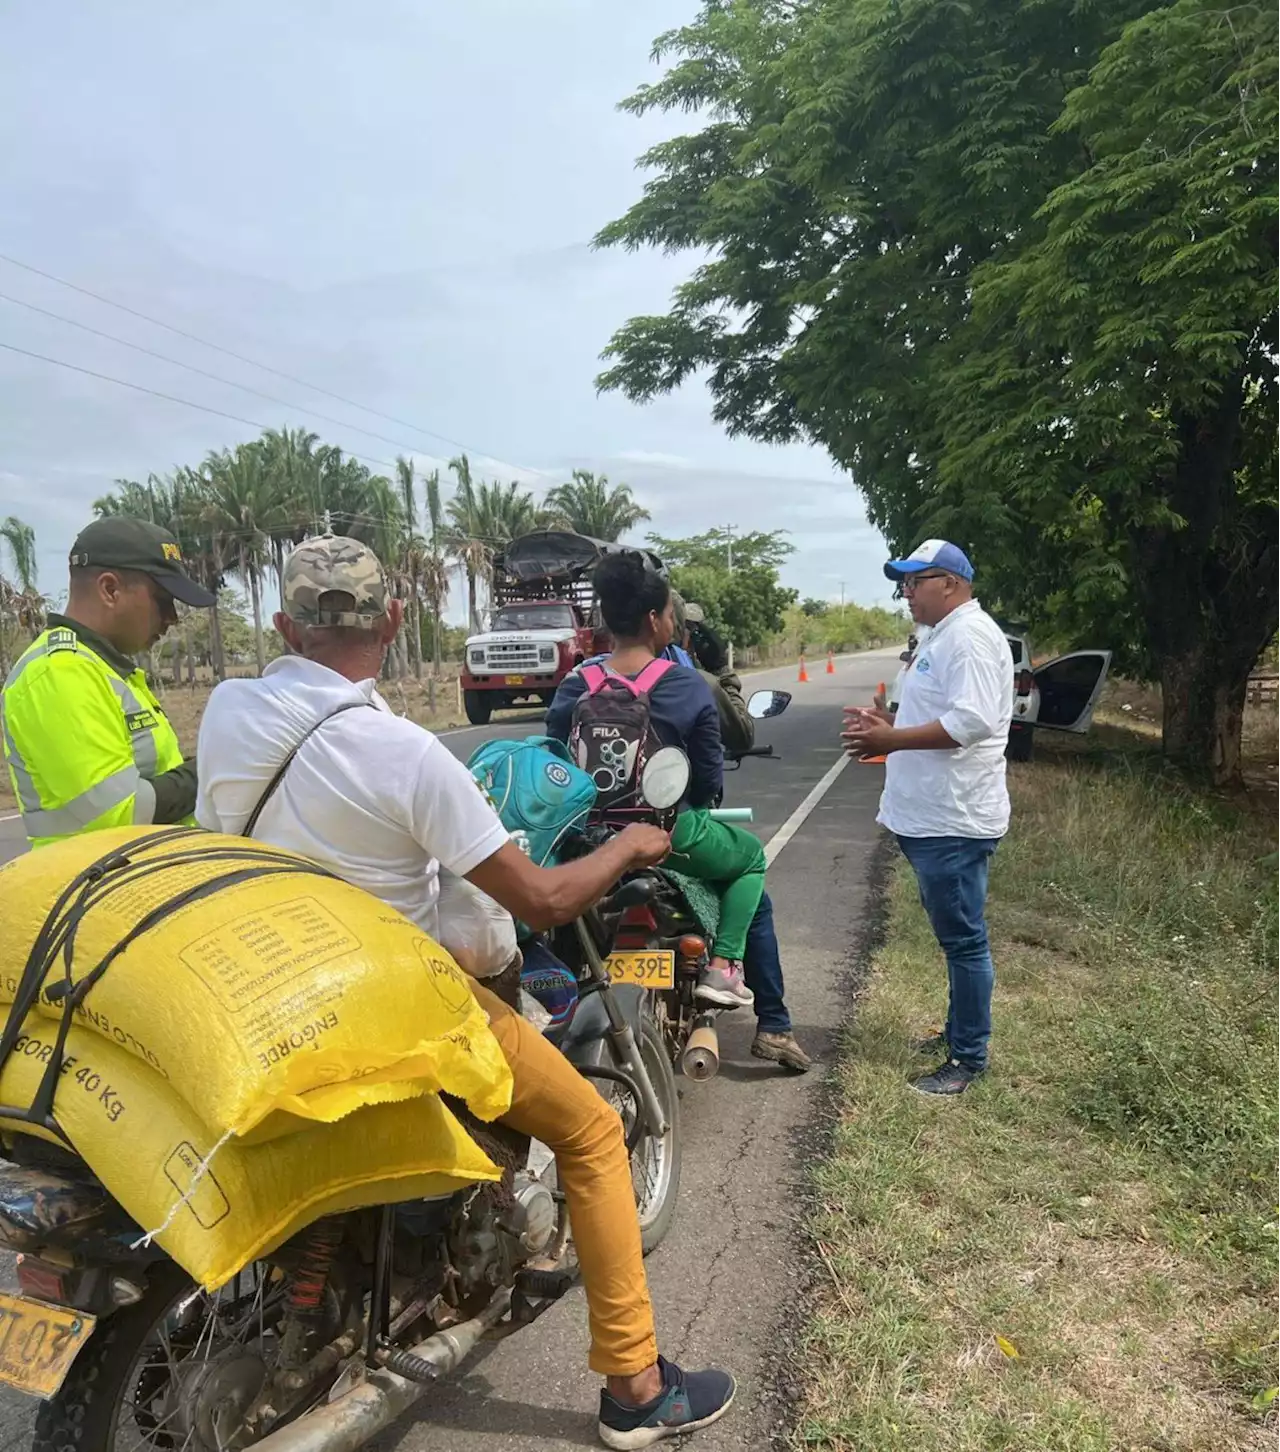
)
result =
(724, 1281)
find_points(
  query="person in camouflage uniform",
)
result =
(710, 658)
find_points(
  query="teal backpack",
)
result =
(537, 790)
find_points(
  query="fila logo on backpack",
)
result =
(612, 735)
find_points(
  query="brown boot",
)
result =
(782, 1049)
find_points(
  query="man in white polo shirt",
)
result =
(944, 792)
(310, 758)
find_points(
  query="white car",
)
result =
(1057, 696)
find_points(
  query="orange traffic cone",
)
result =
(804, 674)
(874, 760)
(831, 662)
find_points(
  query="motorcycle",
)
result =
(656, 928)
(319, 1345)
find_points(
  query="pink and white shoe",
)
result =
(725, 988)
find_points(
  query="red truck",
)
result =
(544, 621)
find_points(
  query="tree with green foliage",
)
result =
(465, 538)
(244, 509)
(22, 607)
(1014, 267)
(747, 602)
(20, 540)
(435, 569)
(412, 561)
(592, 506)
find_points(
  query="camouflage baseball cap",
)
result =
(334, 564)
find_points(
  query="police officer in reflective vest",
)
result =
(87, 744)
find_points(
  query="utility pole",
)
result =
(728, 539)
(842, 597)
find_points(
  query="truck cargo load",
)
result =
(544, 620)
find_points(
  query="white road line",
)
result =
(798, 818)
(15, 817)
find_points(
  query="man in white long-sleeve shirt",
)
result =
(944, 793)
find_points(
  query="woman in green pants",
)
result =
(637, 607)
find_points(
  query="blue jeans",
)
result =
(762, 969)
(952, 876)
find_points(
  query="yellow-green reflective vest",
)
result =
(83, 742)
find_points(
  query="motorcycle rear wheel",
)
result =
(655, 1163)
(133, 1368)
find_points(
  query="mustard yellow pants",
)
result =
(552, 1102)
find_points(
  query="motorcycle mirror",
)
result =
(764, 704)
(665, 778)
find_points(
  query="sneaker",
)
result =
(688, 1400)
(782, 1049)
(930, 1047)
(726, 988)
(949, 1078)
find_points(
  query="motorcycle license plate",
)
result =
(653, 968)
(38, 1343)
(513, 680)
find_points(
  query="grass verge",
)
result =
(1079, 1254)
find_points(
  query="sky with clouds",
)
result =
(391, 201)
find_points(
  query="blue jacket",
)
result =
(683, 712)
(676, 653)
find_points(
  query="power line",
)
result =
(354, 517)
(168, 397)
(253, 363)
(204, 373)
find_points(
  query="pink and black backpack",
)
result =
(612, 736)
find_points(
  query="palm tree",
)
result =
(482, 518)
(293, 467)
(346, 503)
(240, 510)
(591, 506)
(21, 539)
(435, 579)
(20, 600)
(506, 511)
(179, 501)
(466, 534)
(383, 531)
(413, 560)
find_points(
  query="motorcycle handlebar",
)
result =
(750, 751)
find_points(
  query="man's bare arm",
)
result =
(545, 897)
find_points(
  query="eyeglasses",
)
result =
(910, 582)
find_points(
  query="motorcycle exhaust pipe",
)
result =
(702, 1053)
(356, 1417)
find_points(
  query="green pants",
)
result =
(732, 861)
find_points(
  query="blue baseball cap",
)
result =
(933, 554)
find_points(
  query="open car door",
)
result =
(1069, 689)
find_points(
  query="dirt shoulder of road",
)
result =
(1080, 1253)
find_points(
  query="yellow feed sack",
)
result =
(146, 1146)
(268, 994)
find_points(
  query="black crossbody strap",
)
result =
(247, 830)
